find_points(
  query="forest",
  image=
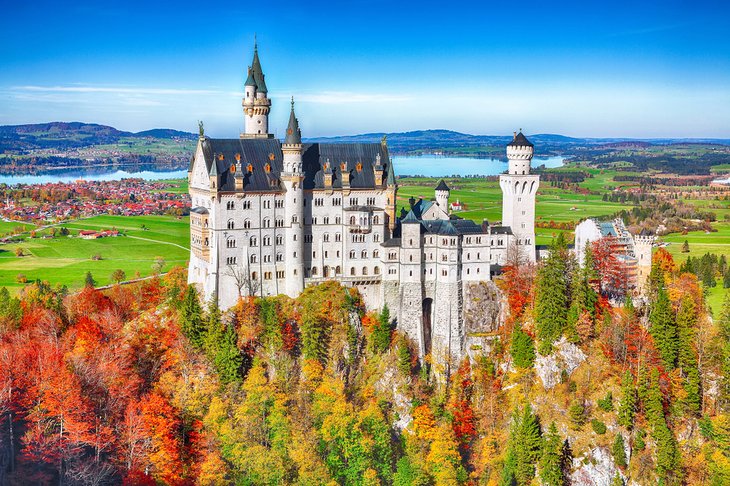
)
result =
(145, 384)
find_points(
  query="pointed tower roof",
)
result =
(520, 140)
(442, 186)
(410, 218)
(256, 72)
(293, 134)
(249, 80)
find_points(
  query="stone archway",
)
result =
(426, 308)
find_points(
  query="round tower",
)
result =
(519, 154)
(292, 177)
(256, 104)
(442, 195)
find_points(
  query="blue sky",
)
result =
(590, 68)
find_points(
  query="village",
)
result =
(43, 204)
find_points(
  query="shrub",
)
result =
(21, 278)
(598, 426)
(606, 403)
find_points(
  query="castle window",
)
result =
(338, 237)
(230, 224)
(279, 240)
(364, 254)
(352, 253)
(230, 205)
(231, 260)
(294, 272)
(371, 201)
(253, 241)
(326, 237)
(338, 270)
(280, 274)
(376, 270)
(445, 273)
(267, 204)
(338, 220)
(267, 275)
(279, 203)
(467, 271)
(444, 258)
(392, 271)
(247, 224)
(468, 256)
(279, 223)
(246, 204)
(392, 255)
(314, 271)
(279, 257)
(376, 253)
(254, 276)
(326, 254)
(230, 243)
(376, 219)
(294, 219)
(411, 257)
(352, 220)
(477, 256)
(336, 201)
(364, 270)
(352, 270)
(206, 242)
(477, 269)
(479, 240)
(267, 223)
(326, 220)
(314, 254)
(253, 258)
(353, 201)
(267, 258)
(376, 237)
(267, 240)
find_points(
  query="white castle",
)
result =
(271, 217)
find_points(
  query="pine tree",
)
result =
(523, 448)
(551, 301)
(228, 359)
(667, 450)
(381, 335)
(627, 406)
(618, 450)
(617, 480)
(566, 461)
(191, 315)
(89, 280)
(687, 356)
(404, 356)
(664, 329)
(522, 349)
(550, 471)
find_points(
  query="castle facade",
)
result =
(271, 217)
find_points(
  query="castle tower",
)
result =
(518, 195)
(643, 244)
(256, 104)
(292, 178)
(442, 195)
(414, 312)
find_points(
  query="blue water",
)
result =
(74, 175)
(443, 166)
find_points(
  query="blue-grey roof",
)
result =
(520, 141)
(293, 134)
(442, 186)
(607, 229)
(261, 151)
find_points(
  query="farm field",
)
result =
(7, 227)
(65, 260)
(699, 244)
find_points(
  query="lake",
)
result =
(444, 166)
(94, 174)
(425, 165)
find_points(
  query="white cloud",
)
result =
(114, 89)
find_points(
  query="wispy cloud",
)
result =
(341, 97)
(114, 89)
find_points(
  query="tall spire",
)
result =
(293, 134)
(256, 72)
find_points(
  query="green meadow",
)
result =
(699, 244)
(8, 227)
(65, 260)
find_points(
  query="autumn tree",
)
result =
(10, 312)
(118, 275)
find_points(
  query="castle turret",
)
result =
(519, 188)
(292, 178)
(442, 195)
(256, 104)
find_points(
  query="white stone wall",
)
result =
(585, 232)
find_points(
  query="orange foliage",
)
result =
(687, 285)
(424, 423)
(162, 426)
(517, 283)
(665, 261)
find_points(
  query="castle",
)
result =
(272, 217)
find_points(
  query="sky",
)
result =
(587, 69)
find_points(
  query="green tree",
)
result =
(617, 480)
(89, 280)
(551, 473)
(228, 360)
(627, 406)
(381, 335)
(315, 336)
(522, 349)
(523, 448)
(404, 356)
(577, 414)
(663, 329)
(10, 312)
(619, 450)
(687, 356)
(667, 451)
(191, 316)
(551, 298)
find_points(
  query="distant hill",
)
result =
(63, 135)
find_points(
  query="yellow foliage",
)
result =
(443, 457)
(370, 478)
(424, 423)
(213, 470)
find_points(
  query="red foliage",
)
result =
(665, 261)
(517, 283)
(289, 335)
(612, 272)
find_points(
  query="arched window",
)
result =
(253, 241)
(230, 243)
(254, 258)
(376, 270)
(352, 270)
(326, 237)
(230, 224)
(254, 276)
(314, 271)
(247, 224)
(338, 270)
(352, 219)
(376, 219)
(325, 271)
(267, 240)
(352, 253)
(364, 270)
(267, 223)
(364, 254)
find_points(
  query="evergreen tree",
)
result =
(89, 280)
(551, 300)
(726, 279)
(627, 406)
(191, 315)
(381, 335)
(617, 480)
(523, 448)
(685, 247)
(404, 356)
(667, 450)
(228, 360)
(10, 312)
(566, 461)
(550, 461)
(687, 356)
(522, 349)
(664, 329)
(619, 451)
(315, 334)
